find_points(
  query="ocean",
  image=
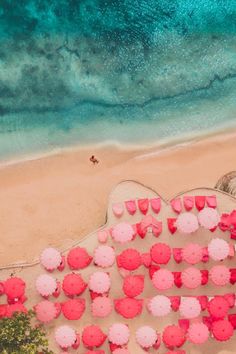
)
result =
(127, 72)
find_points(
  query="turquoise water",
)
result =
(127, 71)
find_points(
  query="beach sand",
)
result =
(59, 199)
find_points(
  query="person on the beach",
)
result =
(93, 160)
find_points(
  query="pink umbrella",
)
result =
(189, 307)
(122, 232)
(73, 284)
(129, 259)
(188, 202)
(118, 209)
(103, 236)
(99, 282)
(93, 336)
(187, 223)
(46, 284)
(133, 285)
(163, 279)
(146, 337)
(131, 206)
(78, 258)
(14, 287)
(119, 334)
(45, 311)
(191, 277)
(198, 333)
(220, 275)
(101, 306)
(104, 256)
(50, 258)
(73, 309)
(218, 249)
(192, 253)
(65, 336)
(156, 204)
(208, 218)
(159, 306)
(129, 307)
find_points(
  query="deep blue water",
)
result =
(132, 71)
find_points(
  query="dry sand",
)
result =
(58, 199)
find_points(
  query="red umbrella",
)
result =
(3, 310)
(93, 336)
(14, 287)
(73, 284)
(73, 309)
(11, 309)
(129, 259)
(143, 205)
(133, 285)
(78, 258)
(129, 307)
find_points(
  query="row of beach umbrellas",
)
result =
(177, 204)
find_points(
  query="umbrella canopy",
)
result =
(11, 309)
(118, 209)
(65, 336)
(146, 337)
(131, 206)
(189, 307)
(103, 236)
(46, 311)
(159, 306)
(220, 275)
(187, 223)
(104, 256)
(73, 309)
(133, 285)
(218, 249)
(73, 284)
(46, 284)
(191, 278)
(3, 310)
(128, 307)
(50, 258)
(173, 336)
(198, 333)
(93, 336)
(163, 279)
(208, 218)
(156, 204)
(218, 307)
(143, 205)
(129, 259)
(78, 258)
(14, 287)
(222, 330)
(99, 282)
(101, 306)
(119, 334)
(192, 253)
(188, 202)
(122, 232)
(160, 253)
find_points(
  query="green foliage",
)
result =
(19, 335)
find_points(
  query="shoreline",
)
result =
(148, 148)
(59, 199)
